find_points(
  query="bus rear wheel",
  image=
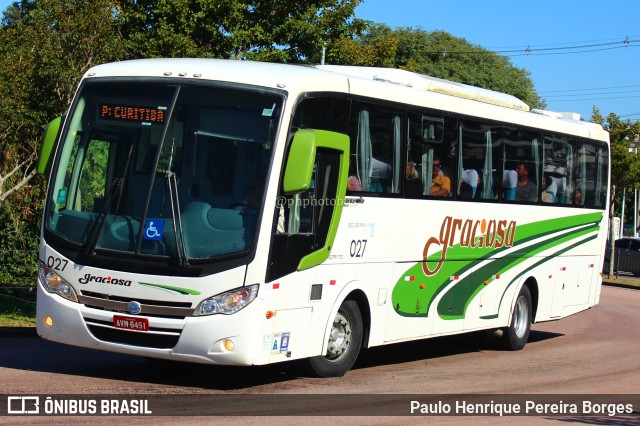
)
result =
(516, 335)
(343, 346)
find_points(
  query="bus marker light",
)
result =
(332, 282)
(270, 314)
(276, 286)
(409, 278)
(564, 268)
(486, 282)
(550, 276)
(48, 321)
(591, 265)
(496, 277)
(454, 277)
(228, 345)
(422, 286)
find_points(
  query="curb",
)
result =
(621, 285)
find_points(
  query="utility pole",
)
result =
(612, 238)
(624, 192)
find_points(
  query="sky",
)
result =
(577, 56)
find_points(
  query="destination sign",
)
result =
(132, 113)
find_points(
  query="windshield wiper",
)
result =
(172, 184)
(114, 194)
(92, 241)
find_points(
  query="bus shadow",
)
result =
(438, 347)
(25, 354)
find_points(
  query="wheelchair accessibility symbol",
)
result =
(153, 229)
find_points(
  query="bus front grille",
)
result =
(150, 308)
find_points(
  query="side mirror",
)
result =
(299, 166)
(330, 151)
(47, 144)
(302, 157)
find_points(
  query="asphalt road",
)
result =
(593, 352)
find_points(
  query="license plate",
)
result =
(131, 323)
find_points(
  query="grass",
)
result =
(17, 307)
(622, 280)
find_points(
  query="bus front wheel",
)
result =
(343, 346)
(515, 336)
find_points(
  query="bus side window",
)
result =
(522, 151)
(590, 174)
(376, 141)
(429, 162)
(480, 152)
(557, 159)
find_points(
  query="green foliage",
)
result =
(17, 307)
(438, 54)
(19, 233)
(276, 31)
(45, 47)
(625, 166)
(94, 170)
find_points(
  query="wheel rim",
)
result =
(521, 317)
(340, 338)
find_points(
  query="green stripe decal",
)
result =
(413, 297)
(171, 289)
(558, 253)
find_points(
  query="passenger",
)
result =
(253, 196)
(525, 189)
(380, 175)
(440, 184)
(549, 190)
(577, 198)
(353, 183)
(470, 181)
(412, 186)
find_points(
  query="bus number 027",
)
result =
(56, 263)
(357, 248)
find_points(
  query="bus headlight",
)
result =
(54, 283)
(227, 303)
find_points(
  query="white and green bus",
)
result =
(239, 213)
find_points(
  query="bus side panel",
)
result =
(573, 285)
(290, 337)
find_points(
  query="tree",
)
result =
(276, 31)
(45, 47)
(438, 54)
(625, 166)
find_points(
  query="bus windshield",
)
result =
(157, 169)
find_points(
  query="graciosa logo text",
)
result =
(467, 233)
(88, 278)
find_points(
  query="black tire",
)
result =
(344, 343)
(515, 336)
